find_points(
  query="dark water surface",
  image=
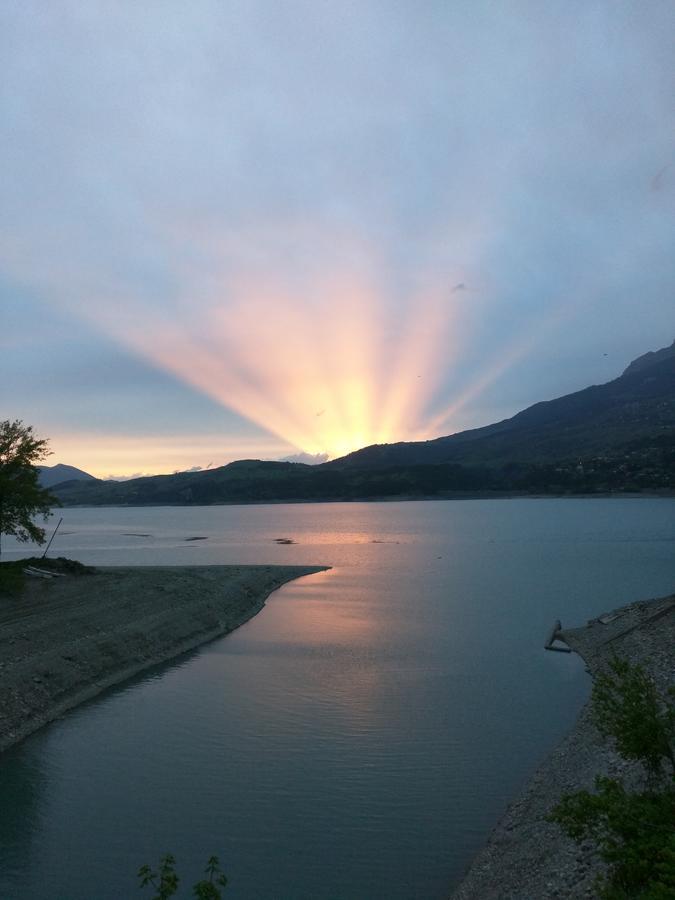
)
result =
(360, 736)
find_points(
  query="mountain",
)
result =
(618, 436)
(650, 358)
(599, 420)
(51, 475)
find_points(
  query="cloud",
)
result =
(309, 459)
(268, 206)
(116, 456)
(147, 474)
(127, 477)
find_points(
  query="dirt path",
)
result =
(64, 640)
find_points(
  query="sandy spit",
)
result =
(526, 858)
(64, 640)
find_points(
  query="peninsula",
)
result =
(63, 640)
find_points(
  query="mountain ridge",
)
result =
(616, 436)
(649, 358)
(648, 379)
(49, 476)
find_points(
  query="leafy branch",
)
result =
(165, 881)
(633, 832)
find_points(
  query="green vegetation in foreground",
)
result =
(165, 880)
(13, 579)
(634, 832)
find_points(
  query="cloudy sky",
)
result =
(258, 229)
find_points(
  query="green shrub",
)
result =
(165, 880)
(12, 578)
(633, 832)
(627, 707)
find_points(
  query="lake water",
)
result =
(359, 737)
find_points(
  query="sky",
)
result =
(290, 228)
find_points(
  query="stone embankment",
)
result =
(527, 858)
(64, 640)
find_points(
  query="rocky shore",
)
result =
(63, 640)
(526, 858)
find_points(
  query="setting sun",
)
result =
(325, 368)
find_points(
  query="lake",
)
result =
(359, 737)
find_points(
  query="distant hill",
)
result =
(52, 475)
(618, 436)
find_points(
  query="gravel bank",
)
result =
(526, 858)
(64, 640)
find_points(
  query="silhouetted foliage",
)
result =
(165, 880)
(12, 578)
(21, 496)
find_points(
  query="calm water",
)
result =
(361, 735)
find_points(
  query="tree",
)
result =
(634, 832)
(21, 497)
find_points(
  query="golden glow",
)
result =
(106, 456)
(324, 359)
(320, 367)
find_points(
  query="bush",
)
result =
(12, 578)
(165, 880)
(633, 832)
(628, 708)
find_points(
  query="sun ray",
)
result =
(316, 353)
(511, 355)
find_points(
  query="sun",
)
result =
(322, 370)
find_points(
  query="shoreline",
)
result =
(527, 857)
(65, 640)
(402, 498)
